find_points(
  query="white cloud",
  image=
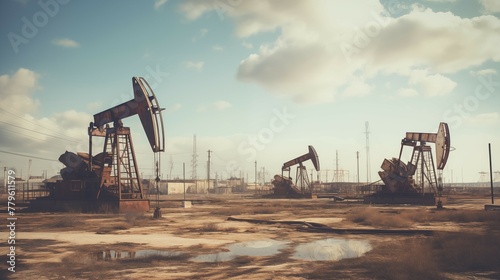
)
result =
(197, 65)
(357, 87)
(175, 107)
(450, 1)
(203, 32)
(16, 91)
(247, 45)
(93, 106)
(484, 72)
(66, 43)
(407, 92)
(221, 105)
(484, 119)
(217, 105)
(159, 3)
(431, 84)
(490, 6)
(21, 131)
(217, 48)
(306, 61)
(441, 41)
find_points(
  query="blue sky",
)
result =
(254, 80)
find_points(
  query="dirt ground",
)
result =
(201, 243)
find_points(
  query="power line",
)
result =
(19, 117)
(367, 132)
(46, 134)
(17, 132)
(21, 155)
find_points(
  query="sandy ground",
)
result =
(200, 243)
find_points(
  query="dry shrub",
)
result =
(213, 227)
(67, 221)
(410, 259)
(460, 252)
(113, 227)
(452, 215)
(210, 227)
(135, 218)
(372, 217)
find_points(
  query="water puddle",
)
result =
(250, 248)
(321, 250)
(331, 250)
(118, 255)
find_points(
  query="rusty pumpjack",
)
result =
(406, 183)
(283, 186)
(111, 178)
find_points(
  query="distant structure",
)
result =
(483, 177)
(336, 166)
(194, 160)
(367, 132)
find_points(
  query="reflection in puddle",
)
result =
(251, 248)
(331, 250)
(115, 255)
(320, 250)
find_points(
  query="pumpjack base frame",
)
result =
(428, 199)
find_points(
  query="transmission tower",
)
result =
(194, 160)
(367, 132)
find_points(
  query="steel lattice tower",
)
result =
(367, 132)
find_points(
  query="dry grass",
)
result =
(372, 217)
(113, 227)
(429, 258)
(407, 217)
(461, 252)
(136, 219)
(66, 221)
(411, 259)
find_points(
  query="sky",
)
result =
(255, 81)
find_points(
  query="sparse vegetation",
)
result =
(466, 242)
(66, 221)
(113, 227)
(373, 217)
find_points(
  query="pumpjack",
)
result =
(283, 186)
(417, 181)
(110, 179)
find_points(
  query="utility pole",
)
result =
(256, 174)
(29, 172)
(491, 175)
(337, 166)
(357, 160)
(367, 132)
(208, 171)
(264, 175)
(184, 178)
(5, 178)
